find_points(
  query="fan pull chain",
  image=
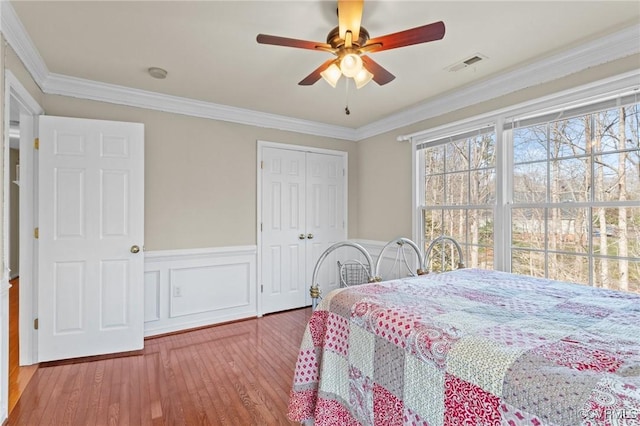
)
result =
(346, 95)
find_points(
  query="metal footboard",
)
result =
(314, 290)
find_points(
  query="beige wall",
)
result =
(201, 174)
(384, 171)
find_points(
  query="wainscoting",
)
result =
(197, 287)
(192, 288)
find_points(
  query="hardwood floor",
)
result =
(19, 377)
(232, 374)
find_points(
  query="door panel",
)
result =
(91, 201)
(283, 185)
(326, 215)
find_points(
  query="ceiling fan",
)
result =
(350, 43)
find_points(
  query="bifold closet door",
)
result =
(303, 212)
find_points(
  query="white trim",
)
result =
(190, 254)
(611, 85)
(198, 271)
(606, 49)
(28, 188)
(57, 84)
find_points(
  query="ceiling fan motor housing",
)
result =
(336, 42)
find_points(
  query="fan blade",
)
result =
(423, 34)
(380, 75)
(315, 75)
(350, 17)
(293, 42)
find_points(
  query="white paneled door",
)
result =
(303, 213)
(91, 230)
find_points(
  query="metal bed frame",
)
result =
(354, 272)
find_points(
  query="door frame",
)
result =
(30, 110)
(300, 148)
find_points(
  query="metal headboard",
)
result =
(400, 242)
(441, 239)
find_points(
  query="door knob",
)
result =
(310, 236)
(135, 249)
(301, 236)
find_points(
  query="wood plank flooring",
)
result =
(232, 374)
(19, 377)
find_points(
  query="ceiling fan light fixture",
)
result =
(351, 64)
(331, 75)
(362, 78)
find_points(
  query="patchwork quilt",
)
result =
(470, 347)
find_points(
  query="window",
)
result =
(460, 196)
(556, 194)
(576, 185)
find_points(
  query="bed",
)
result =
(470, 347)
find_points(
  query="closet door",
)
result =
(303, 213)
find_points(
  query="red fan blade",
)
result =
(350, 17)
(315, 75)
(423, 34)
(380, 75)
(292, 42)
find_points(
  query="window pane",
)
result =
(434, 160)
(617, 274)
(478, 257)
(567, 229)
(606, 125)
(434, 190)
(567, 137)
(565, 267)
(483, 153)
(432, 224)
(617, 171)
(457, 156)
(483, 186)
(528, 228)
(530, 183)
(530, 144)
(570, 181)
(528, 262)
(621, 236)
(457, 189)
(455, 225)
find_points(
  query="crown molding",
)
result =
(57, 84)
(609, 48)
(17, 36)
(606, 49)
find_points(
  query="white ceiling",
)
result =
(210, 51)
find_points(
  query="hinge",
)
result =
(36, 143)
(261, 288)
(35, 324)
(36, 233)
(344, 172)
(262, 164)
(260, 226)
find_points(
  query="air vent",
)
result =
(474, 59)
